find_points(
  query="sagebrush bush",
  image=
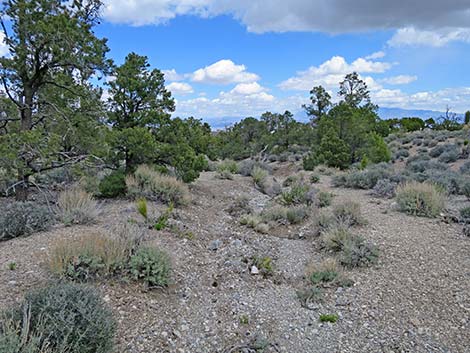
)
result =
(76, 206)
(335, 237)
(401, 153)
(465, 214)
(246, 167)
(60, 318)
(259, 175)
(228, 165)
(420, 199)
(447, 179)
(299, 193)
(358, 253)
(152, 266)
(349, 213)
(113, 185)
(420, 166)
(23, 218)
(326, 272)
(324, 199)
(440, 149)
(148, 183)
(285, 215)
(384, 188)
(224, 175)
(269, 186)
(89, 256)
(240, 206)
(449, 156)
(363, 179)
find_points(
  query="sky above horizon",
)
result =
(227, 58)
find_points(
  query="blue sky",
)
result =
(236, 58)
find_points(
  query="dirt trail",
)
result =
(415, 300)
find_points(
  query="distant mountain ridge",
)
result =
(384, 113)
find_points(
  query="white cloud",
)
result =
(456, 98)
(410, 36)
(376, 55)
(172, 75)
(180, 88)
(3, 46)
(224, 72)
(332, 71)
(338, 16)
(248, 88)
(399, 80)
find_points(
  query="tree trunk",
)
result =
(26, 125)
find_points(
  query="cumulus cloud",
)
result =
(410, 36)
(180, 88)
(172, 75)
(332, 71)
(224, 72)
(399, 80)
(456, 98)
(333, 16)
(248, 88)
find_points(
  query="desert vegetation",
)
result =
(126, 229)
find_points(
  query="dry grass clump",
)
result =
(151, 184)
(76, 206)
(89, 256)
(421, 199)
(259, 175)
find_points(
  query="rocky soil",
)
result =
(416, 299)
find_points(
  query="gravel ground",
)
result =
(416, 299)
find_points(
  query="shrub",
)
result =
(246, 167)
(465, 189)
(269, 186)
(324, 199)
(310, 161)
(240, 206)
(420, 199)
(448, 180)
(335, 238)
(251, 220)
(349, 213)
(449, 157)
(439, 150)
(61, 318)
(299, 193)
(259, 175)
(152, 266)
(113, 185)
(76, 206)
(384, 188)
(285, 215)
(465, 168)
(465, 214)
(23, 218)
(309, 296)
(329, 318)
(228, 165)
(224, 175)
(401, 153)
(357, 252)
(364, 179)
(151, 184)
(314, 178)
(328, 271)
(141, 206)
(424, 165)
(89, 256)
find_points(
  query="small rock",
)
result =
(215, 245)
(254, 270)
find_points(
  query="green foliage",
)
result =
(363, 179)
(152, 266)
(314, 178)
(421, 199)
(264, 264)
(375, 149)
(333, 151)
(320, 103)
(57, 114)
(23, 218)
(298, 193)
(356, 252)
(12, 266)
(259, 175)
(329, 318)
(60, 318)
(229, 166)
(113, 185)
(162, 221)
(465, 189)
(467, 117)
(141, 206)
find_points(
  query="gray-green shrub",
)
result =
(421, 199)
(60, 318)
(152, 266)
(23, 218)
